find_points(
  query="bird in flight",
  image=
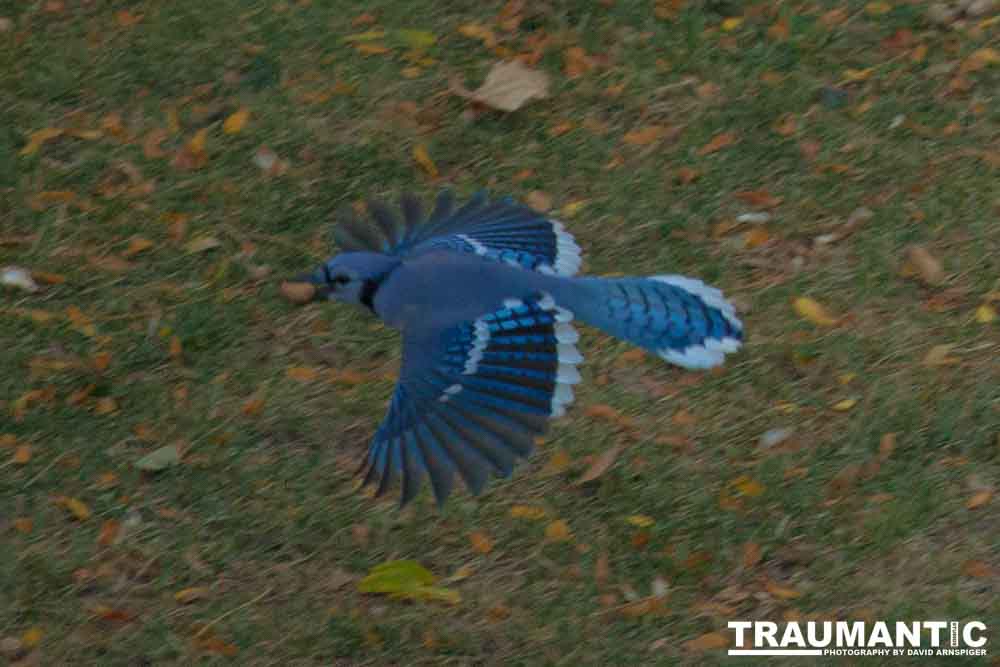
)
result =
(485, 296)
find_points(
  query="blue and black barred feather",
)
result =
(476, 405)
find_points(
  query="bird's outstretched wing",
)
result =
(472, 398)
(501, 230)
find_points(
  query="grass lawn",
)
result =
(160, 225)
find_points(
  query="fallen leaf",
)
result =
(707, 642)
(481, 542)
(417, 39)
(423, 159)
(265, 158)
(747, 486)
(979, 499)
(39, 137)
(886, 446)
(32, 637)
(508, 86)
(24, 525)
(718, 142)
(758, 198)
(298, 292)
(406, 579)
(159, 459)
(781, 592)
(216, 646)
(252, 407)
(557, 531)
(480, 32)
(74, 506)
(302, 373)
(640, 520)
(731, 23)
(878, 8)
(940, 355)
(109, 533)
(646, 135)
(22, 455)
(202, 243)
(925, 265)
(978, 569)
(811, 310)
(539, 200)
(844, 405)
(136, 245)
(601, 464)
(371, 48)
(986, 314)
(751, 555)
(528, 512)
(235, 123)
(576, 62)
(47, 278)
(189, 595)
(106, 405)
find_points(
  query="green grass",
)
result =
(263, 510)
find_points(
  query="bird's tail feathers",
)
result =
(681, 319)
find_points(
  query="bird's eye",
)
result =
(341, 279)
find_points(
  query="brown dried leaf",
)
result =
(481, 542)
(707, 642)
(926, 266)
(718, 142)
(298, 292)
(601, 464)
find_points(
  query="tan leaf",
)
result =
(423, 159)
(927, 268)
(176, 348)
(844, 405)
(136, 245)
(203, 243)
(601, 464)
(539, 200)
(528, 512)
(640, 520)
(302, 373)
(106, 406)
(978, 569)
(508, 86)
(371, 48)
(758, 198)
(886, 446)
(781, 592)
(602, 569)
(939, 355)
(751, 555)
(298, 292)
(718, 142)
(480, 32)
(47, 278)
(235, 123)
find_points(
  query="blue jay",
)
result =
(484, 296)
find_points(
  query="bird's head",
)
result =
(350, 277)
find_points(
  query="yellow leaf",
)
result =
(557, 531)
(732, 23)
(979, 499)
(570, 209)
(476, 31)
(844, 405)
(423, 159)
(640, 520)
(75, 507)
(236, 122)
(417, 39)
(368, 36)
(878, 8)
(481, 542)
(527, 512)
(747, 486)
(558, 462)
(856, 75)
(406, 579)
(31, 637)
(38, 138)
(188, 595)
(811, 310)
(197, 143)
(986, 314)
(986, 56)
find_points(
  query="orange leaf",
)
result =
(979, 499)
(24, 525)
(38, 138)
(782, 592)
(106, 406)
(136, 245)
(302, 373)
(539, 200)
(127, 19)
(176, 348)
(481, 542)
(758, 198)
(48, 278)
(151, 144)
(197, 144)
(22, 455)
(557, 531)
(576, 62)
(646, 135)
(253, 407)
(189, 595)
(423, 158)
(112, 614)
(216, 645)
(779, 30)
(751, 554)
(977, 569)
(718, 142)
(371, 48)
(109, 533)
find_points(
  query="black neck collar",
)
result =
(368, 290)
